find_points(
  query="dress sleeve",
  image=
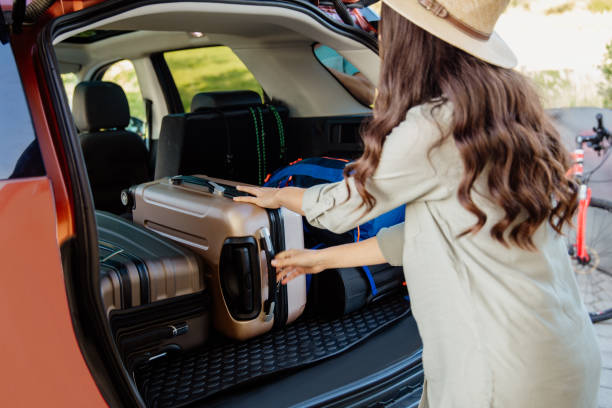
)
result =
(405, 174)
(391, 243)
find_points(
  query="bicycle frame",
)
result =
(584, 197)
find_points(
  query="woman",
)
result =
(464, 142)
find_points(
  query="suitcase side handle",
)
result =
(273, 286)
(213, 188)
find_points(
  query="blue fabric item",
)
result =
(331, 175)
(331, 59)
(318, 170)
(371, 279)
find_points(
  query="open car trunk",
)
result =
(370, 357)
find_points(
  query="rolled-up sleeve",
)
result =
(405, 174)
(391, 243)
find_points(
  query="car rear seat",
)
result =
(222, 137)
(115, 158)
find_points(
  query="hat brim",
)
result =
(494, 50)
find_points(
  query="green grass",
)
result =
(600, 6)
(209, 69)
(195, 70)
(123, 74)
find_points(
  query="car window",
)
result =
(19, 152)
(123, 74)
(346, 73)
(209, 69)
(70, 81)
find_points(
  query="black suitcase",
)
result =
(337, 292)
(152, 290)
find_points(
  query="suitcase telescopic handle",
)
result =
(213, 188)
(273, 286)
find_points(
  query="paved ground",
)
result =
(604, 332)
(570, 122)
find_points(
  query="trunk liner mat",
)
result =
(180, 379)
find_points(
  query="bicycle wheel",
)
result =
(595, 276)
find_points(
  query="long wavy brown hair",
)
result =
(498, 123)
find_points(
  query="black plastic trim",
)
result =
(81, 269)
(390, 377)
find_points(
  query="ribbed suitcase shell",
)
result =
(191, 215)
(152, 268)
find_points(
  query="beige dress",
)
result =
(501, 327)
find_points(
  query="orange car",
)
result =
(60, 346)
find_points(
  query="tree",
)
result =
(605, 87)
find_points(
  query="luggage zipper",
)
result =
(270, 305)
(278, 238)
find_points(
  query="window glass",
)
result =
(123, 74)
(346, 73)
(19, 152)
(209, 69)
(70, 81)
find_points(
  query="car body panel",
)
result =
(45, 126)
(42, 354)
(38, 344)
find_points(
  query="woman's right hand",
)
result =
(266, 197)
(295, 262)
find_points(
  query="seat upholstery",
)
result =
(115, 158)
(222, 137)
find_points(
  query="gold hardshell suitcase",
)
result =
(237, 242)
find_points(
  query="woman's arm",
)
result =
(267, 197)
(410, 169)
(405, 173)
(294, 262)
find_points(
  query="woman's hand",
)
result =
(266, 197)
(295, 262)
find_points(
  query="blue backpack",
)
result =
(320, 170)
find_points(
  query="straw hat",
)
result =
(466, 24)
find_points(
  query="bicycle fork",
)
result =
(584, 199)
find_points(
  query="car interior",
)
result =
(132, 80)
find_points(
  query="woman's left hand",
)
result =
(295, 262)
(266, 197)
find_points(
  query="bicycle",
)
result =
(589, 248)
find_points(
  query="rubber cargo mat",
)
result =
(180, 379)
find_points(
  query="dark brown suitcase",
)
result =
(237, 242)
(152, 289)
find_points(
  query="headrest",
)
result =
(100, 105)
(224, 99)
